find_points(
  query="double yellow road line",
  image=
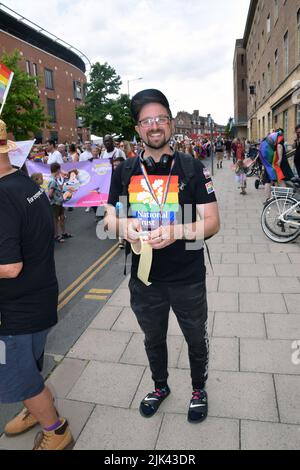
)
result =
(67, 295)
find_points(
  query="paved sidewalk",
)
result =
(253, 386)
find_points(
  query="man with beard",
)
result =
(158, 192)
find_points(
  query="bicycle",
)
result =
(280, 219)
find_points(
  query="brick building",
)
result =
(59, 70)
(195, 126)
(271, 45)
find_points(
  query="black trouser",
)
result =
(151, 306)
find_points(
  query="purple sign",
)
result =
(84, 184)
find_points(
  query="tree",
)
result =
(103, 111)
(23, 112)
(104, 83)
(122, 121)
(230, 129)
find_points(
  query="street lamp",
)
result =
(210, 123)
(133, 80)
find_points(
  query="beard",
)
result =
(160, 144)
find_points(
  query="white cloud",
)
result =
(183, 47)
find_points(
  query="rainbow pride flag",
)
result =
(140, 198)
(6, 77)
(269, 157)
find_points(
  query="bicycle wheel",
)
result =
(275, 229)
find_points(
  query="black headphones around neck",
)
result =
(150, 164)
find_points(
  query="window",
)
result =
(269, 24)
(263, 85)
(49, 79)
(51, 110)
(298, 114)
(79, 122)
(286, 52)
(298, 33)
(243, 84)
(28, 67)
(35, 73)
(286, 123)
(54, 136)
(242, 59)
(269, 123)
(263, 126)
(77, 90)
(276, 71)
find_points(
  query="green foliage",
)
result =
(23, 112)
(122, 121)
(103, 111)
(230, 129)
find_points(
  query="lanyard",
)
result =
(152, 192)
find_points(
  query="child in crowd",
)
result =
(240, 176)
(38, 179)
(55, 193)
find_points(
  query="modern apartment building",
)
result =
(59, 70)
(271, 45)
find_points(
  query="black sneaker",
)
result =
(150, 404)
(198, 406)
(66, 235)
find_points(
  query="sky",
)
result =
(184, 48)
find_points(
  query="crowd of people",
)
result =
(167, 176)
(67, 153)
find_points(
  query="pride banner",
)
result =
(6, 77)
(84, 184)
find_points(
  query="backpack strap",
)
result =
(187, 164)
(128, 168)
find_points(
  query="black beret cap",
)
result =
(145, 97)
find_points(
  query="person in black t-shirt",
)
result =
(28, 302)
(157, 194)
